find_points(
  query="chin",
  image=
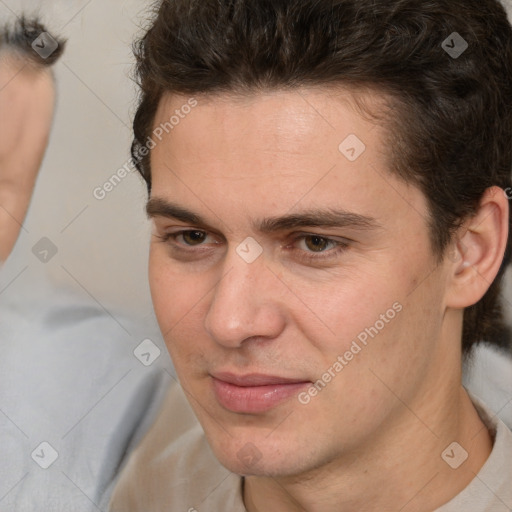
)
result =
(264, 467)
(252, 455)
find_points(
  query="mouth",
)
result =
(254, 393)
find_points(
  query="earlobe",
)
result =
(479, 250)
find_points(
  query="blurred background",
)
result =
(83, 366)
(101, 244)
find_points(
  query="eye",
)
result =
(192, 237)
(317, 243)
(313, 248)
(185, 238)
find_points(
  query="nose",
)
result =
(245, 305)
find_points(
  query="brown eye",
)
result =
(316, 243)
(193, 237)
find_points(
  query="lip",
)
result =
(254, 393)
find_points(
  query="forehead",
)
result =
(288, 148)
(284, 119)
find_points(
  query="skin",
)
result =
(27, 98)
(372, 439)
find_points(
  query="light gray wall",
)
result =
(99, 242)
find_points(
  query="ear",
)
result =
(478, 250)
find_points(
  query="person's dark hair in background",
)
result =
(449, 119)
(19, 37)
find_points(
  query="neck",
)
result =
(402, 469)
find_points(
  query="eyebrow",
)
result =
(158, 207)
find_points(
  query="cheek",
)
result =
(380, 314)
(398, 356)
(175, 294)
(334, 313)
(180, 300)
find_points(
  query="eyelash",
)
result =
(308, 256)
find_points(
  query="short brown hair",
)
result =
(450, 127)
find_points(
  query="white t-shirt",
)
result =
(174, 470)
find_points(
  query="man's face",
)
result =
(252, 323)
